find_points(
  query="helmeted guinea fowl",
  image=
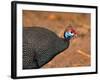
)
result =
(40, 45)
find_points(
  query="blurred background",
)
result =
(79, 52)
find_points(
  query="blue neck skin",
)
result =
(68, 35)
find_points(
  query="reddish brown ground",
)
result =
(78, 53)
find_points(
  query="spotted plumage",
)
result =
(40, 45)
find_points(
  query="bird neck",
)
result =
(66, 40)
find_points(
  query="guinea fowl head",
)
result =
(69, 33)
